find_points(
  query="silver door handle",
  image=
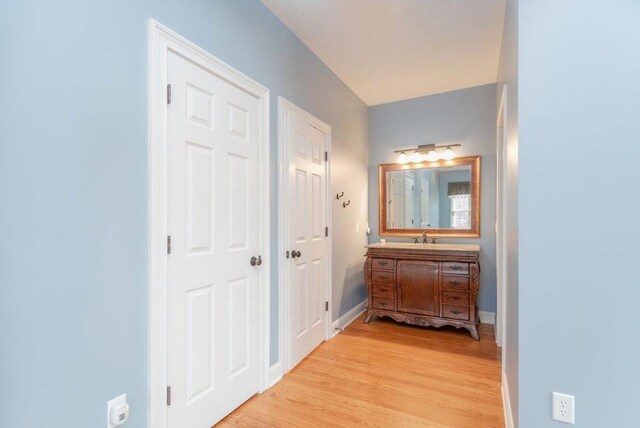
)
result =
(255, 261)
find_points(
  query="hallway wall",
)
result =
(579, 62)
(73, 185)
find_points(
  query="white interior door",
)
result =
(213, 212)
(424, 203)
(397, 202)
(409, 214)
(389, 203)
(306, 206)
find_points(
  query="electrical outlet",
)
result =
(357, 227)
(117, 411)
(564, 408)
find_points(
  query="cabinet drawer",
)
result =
(455, 283)
(385, 264)
(455, 297)
(455, 267)
(455, 312)
(383, 303)
(382, 276)
(383, 290)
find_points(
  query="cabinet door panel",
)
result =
(418, 287)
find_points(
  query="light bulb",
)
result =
(448, 154)
(432, 156)
(416, 157)
(403, 158)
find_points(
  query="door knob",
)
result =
(259, 260)
(255, 261)
(295, 254)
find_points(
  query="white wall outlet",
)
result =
(564, 408)
(117, 411)
(357, 227)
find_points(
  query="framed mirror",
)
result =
(441, 198)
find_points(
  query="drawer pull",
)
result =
(383, 303)
(382, 290)
(382, 276)
(456, 312)
(455, 282)
(382, 262)
(456, 267)
(456, 297)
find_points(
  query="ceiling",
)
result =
(391, 50)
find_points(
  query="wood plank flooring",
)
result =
(386, 374)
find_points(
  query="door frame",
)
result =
(501, 226)
(161, 41)
(284, 287)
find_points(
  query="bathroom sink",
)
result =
(426, 247)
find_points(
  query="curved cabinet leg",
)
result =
(368, 317)
(473, 329)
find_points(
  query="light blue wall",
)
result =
(579, 287)
(468, 117)
(73, 185)
(508, 75)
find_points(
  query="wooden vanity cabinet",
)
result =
(417, 287)
(424, 286)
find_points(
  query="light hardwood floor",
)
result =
(385, 374)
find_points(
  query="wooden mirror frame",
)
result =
(473, 232)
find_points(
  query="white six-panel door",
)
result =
(409, 214)
(212, 299)
(305, 235)
(397, 202)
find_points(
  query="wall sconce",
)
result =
(427, 152)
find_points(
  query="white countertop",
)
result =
(436, 247)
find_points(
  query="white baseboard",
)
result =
(348, 318)
(487, 317)
(506, 403)
(275, 374)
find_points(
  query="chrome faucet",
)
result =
(424, 237)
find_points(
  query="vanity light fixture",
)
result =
(432, 156)
(416, 157)
(428, 152)
(448, 154)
